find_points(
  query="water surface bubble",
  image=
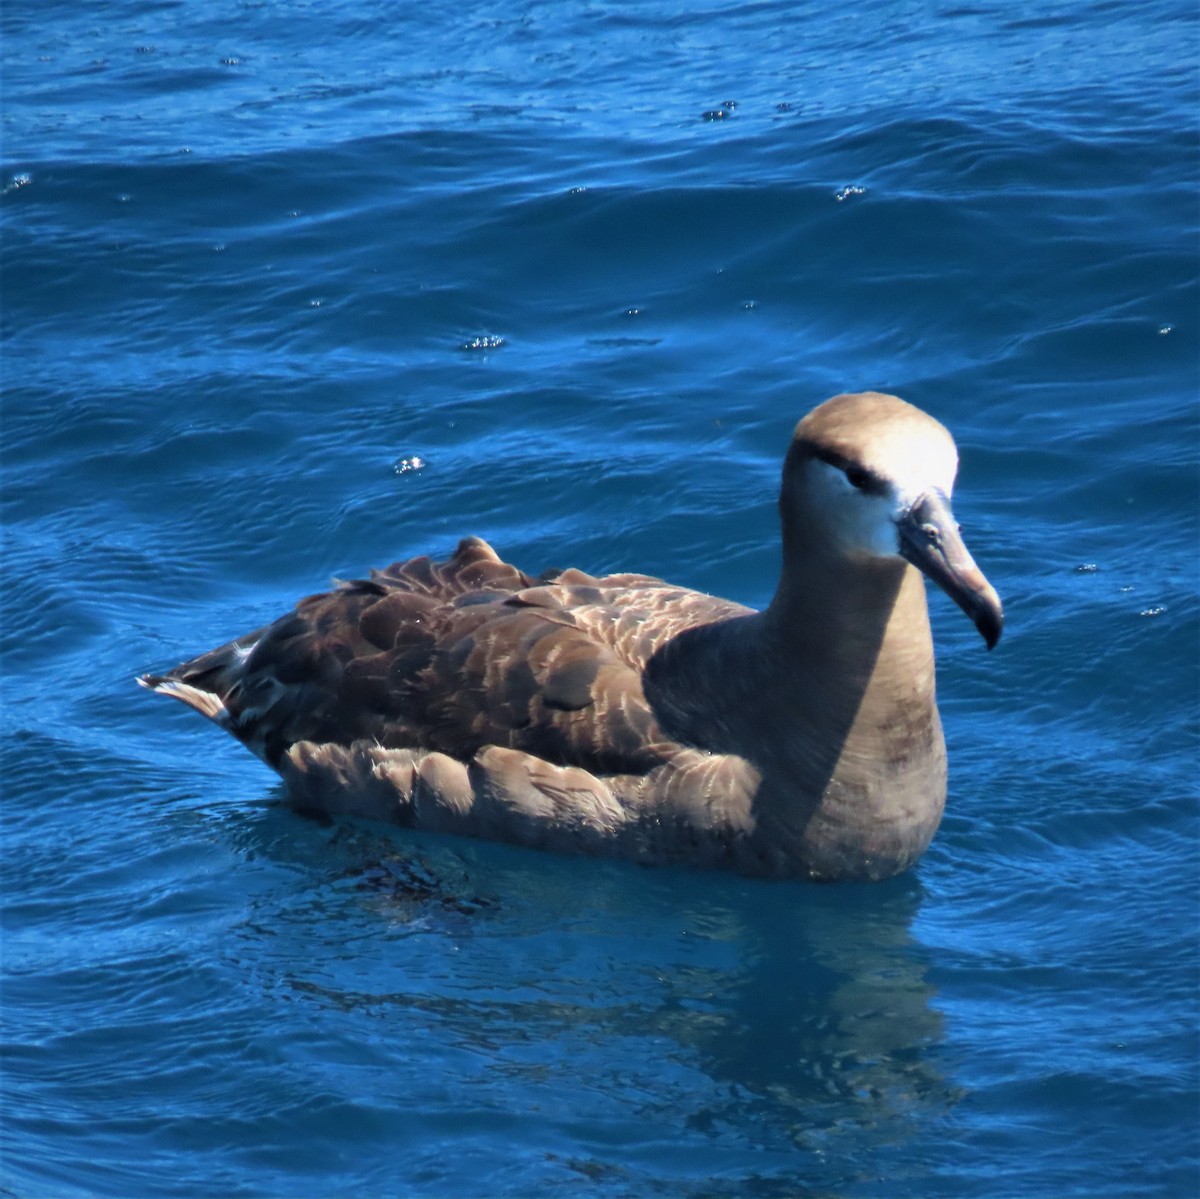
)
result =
(483, 342)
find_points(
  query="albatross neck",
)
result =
(865, 618)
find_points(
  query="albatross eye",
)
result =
(858, 477)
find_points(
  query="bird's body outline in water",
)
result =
(625, 716)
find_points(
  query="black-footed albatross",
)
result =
(628, 717)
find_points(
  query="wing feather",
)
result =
(453, 657)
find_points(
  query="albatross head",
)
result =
(870, 476)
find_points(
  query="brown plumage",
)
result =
(622, 715)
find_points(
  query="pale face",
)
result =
(859, 504)
(869, 477)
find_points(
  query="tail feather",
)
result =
(205, 702)
(279, 684)
(212, 684)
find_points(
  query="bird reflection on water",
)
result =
(805, 1010)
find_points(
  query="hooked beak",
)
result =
(930, 540)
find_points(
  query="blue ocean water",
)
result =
(292, 290)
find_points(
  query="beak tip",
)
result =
(990, 624)
(930, 541)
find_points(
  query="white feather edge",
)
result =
(204, 702)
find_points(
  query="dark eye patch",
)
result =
(859, 477)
